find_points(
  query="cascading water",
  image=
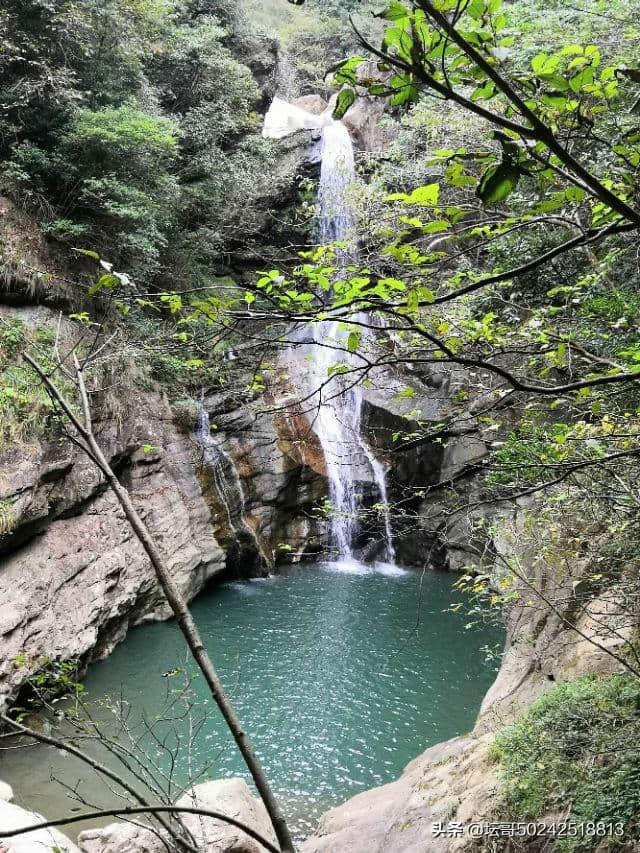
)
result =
(225, 479)
(336, 404)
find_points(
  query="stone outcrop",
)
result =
(454, 780)
(280, 467)
(40, 840)
(73, 577)
(422, 467)
(562, 624)
(230, 797)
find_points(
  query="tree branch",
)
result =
(540, 130)
(98, 767)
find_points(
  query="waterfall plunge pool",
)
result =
(341, 673)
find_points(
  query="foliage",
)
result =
(51, 681)
(133, 124)
(540, 168)
(577, 747)
(321, 36)
(26, 412)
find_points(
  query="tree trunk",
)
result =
(175, 599)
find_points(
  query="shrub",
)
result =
(65, 229)
(577, 748)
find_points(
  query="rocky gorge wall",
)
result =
(73, 577)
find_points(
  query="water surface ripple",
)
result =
(341, 674)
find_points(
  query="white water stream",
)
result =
(335, 404)
(225, 479)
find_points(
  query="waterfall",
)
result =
(283, 119)
(226, 480)
(336, 405)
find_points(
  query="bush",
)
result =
(577, 747)
(65, 229)
(135, 129)
(124, 136)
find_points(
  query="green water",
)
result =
(341, 678)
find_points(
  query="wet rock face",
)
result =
(420, 468)
(281, 471)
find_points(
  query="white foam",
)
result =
(389, 570)
(347, 566)
(350, 566)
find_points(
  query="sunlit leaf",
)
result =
(498, 182)
(346, 97)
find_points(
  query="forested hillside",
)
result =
(326, 314)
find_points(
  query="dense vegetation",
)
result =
(131, 127)
(574, 753)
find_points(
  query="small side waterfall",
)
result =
(336, 404)
(226, 481)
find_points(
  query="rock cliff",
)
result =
(73, 578)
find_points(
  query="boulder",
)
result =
(231, 797)
(41, 840)
(120, 838)
(315, 103)
(452, 781)
(363, 120)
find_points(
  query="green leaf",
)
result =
(571, 49)
(393, 12)
(545, 65)
(425, 196)
(353, 341)
(582, 78)
(345, 70)
(476, 9)
(484, 92)
(104, 282)
(436, 226)
(406, 393)
(498, 182)
(346, 97)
